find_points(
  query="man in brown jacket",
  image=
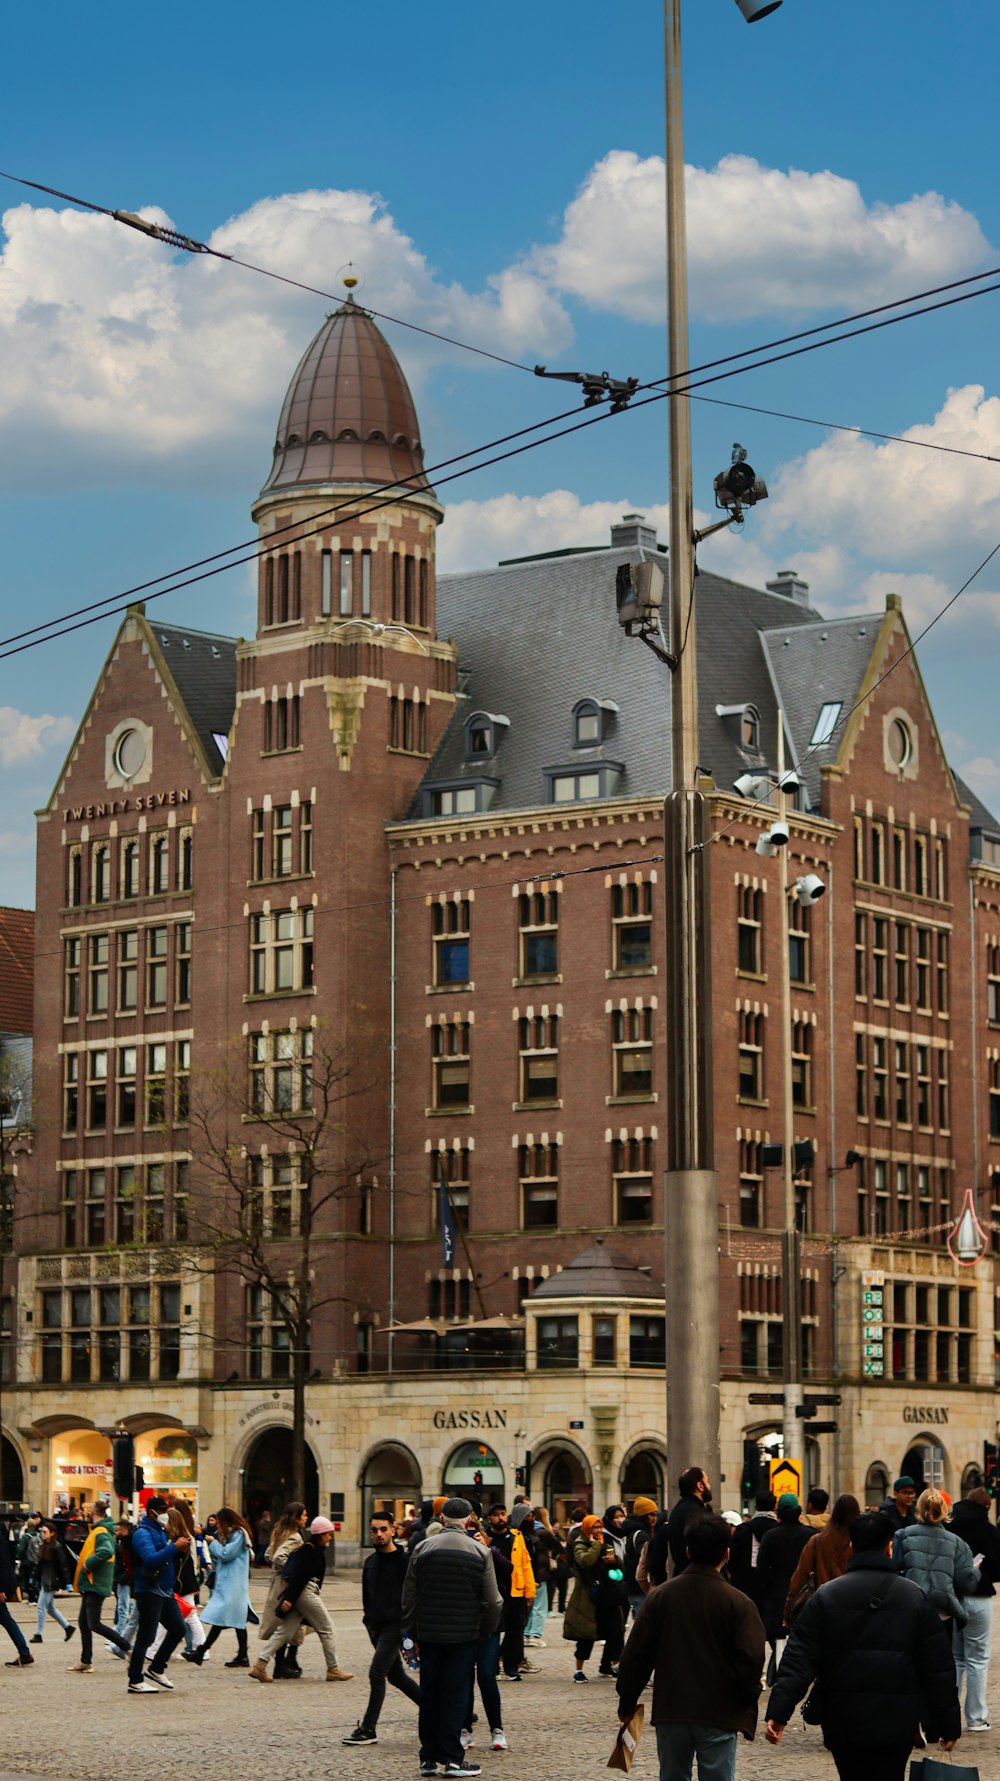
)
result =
(702, 1641)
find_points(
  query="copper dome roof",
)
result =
(348, 415)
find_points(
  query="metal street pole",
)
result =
(690, 1211)
(792, 1432)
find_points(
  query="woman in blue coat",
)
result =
(229, 1602)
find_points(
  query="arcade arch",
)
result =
(642, 1474)
(566, 1478)
(389, 1479)
(12, 1477)
(876, 1485)
(926, 1463)
(267, 1474)
(474, 1468)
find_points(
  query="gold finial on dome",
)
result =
(350, 279)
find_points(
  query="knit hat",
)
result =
(644, 1506)
(589, 1525)
(788, 1504)
(320, 1525)
(904, 1483)
(439, 1503)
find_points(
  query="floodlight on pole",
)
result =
(754, 10)
(808, 889)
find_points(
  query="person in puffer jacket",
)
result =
(931, 1556)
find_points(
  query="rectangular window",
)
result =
(451, 923)
(70, 1209)
(182, 963)
(799, 942)
(450, 1063)
(878, 852)
(281, 952)
(902, 1051)
(97, 953)
(749, 952)
(409, 611)
(139, 1344)
(281, 724)
(185, 859)
(942, 973)
(182, 1081)
(899, 859)
(71, 978)
(397, 610)
(880, 1079)
(170, 1333)
(647, 1342)
(125, 1111)
(97, 1090)
(257, 855)
(346, 583)
(305, 837)
(751, 1335)
(632, 926)
(826, 723)
(422, 606)
(923, 1086)
(128, 970)
(52, 1341)
(71, 1091)
(632, 1180)
(281, 1072)
(458, 800)
(921, 884)
(100, 872)
(943, 1093)
(281, 841)
(97, 1206)
(603, 1342)
(74, 878)
(538, 1051)
(751, 1185)
(538, 929)
(538, 1178)
(923, 962)
(880, 959)
(993, 985)
(269, 1344)
(632, 1052)
(156, 967)
(861, 956)
(156, 1085)
(366, 583)
(802, 1048)
(558, 1342)
(455, 1163)
(751, 1056)
(125, 1201)
(326, 591)
(902, 964)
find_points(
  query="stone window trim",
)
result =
(631, 924)
(451, 940)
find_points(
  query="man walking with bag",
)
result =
(881, 1662)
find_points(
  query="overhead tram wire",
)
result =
(59, 627)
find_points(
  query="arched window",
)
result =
(750, 727)
(588, 726)
(876, 1485)
(484, 732)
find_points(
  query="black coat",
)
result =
(450, 1593)
(670, 1539)
(307, 1564)
(8, 1579)
(971, 1522)
(382, 1588)
(744, 1551)
(881, 1667)
(777, 1558)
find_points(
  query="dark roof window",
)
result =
(826, 723)
(484, 732)
(593, 721)
(743, 724)
(464, 799)
(575, 784)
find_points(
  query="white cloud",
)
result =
(135, 356)
(24, 738)
(14, 845)
(982, 772)
(478, 534)
(760, 240)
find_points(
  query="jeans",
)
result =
(971, 1645)
(11, 1627)
(445, 1675)
(487, 1668)
(386, 1666)
(123, 1596)
(90, 1623)
(46, 1605)
(536, 1617)
(865, 1762)
(678, 1745)
(151, 1610)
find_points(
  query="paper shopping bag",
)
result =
(628, 1737)
(930, 1768)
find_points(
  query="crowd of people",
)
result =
(874, 1621)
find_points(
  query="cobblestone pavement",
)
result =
(220, 1725)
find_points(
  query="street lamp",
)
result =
(690, 1198)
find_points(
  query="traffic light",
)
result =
(991, 1467)
(123, 1467)
(477, 1479)
(520, 1477)
(750, 1476)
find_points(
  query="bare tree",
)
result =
(275, 1150)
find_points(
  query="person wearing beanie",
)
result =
(450, 1603)
(594, 1611)
(303, 1575)
(635, 1532)
(777, 1557)
(899, 1506)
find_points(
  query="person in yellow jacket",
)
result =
(511, 1544)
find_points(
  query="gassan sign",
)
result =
(470, 1419)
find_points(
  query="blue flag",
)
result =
(446, 1220)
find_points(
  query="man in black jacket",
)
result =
(743, 1553)
(899, 1506)
(382, 1611)
(450, 1602)
(669, 1539)
(779, 1553)
(970, 1520)
(880, 1659)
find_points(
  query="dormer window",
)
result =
(463, 799)
(574, 784)
(592, 722)
(484, 732)
(750, 728)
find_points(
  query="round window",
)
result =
(900, 742)
(130, 753)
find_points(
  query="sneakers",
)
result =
(466, 1738)
(462, 1768)
(36, 1639)
(579, 1676)
(503, 1677)
(361, 1735)
(67, 1635)
(76, 1669)
(499, 1741)
(429, 1768)
(981, 1725)
(336, 1674)
(528, 1668)
(259, 1671)
(142, 1688)
(537, 1641)
(159, 1678)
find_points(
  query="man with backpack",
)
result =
(636, 1530)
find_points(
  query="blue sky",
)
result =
(494, 173)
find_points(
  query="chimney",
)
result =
(790, 585)
(632, 533)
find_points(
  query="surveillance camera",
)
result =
(739, 486)
(809, 889)
(777, 834)
(765, 849)
(753, 10)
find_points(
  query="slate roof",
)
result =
(598, 1273)
(536, 637)
(981, 821)
(203, 666)
(820, 663)
(17, 970)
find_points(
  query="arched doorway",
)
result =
(473, 1470)
(924, 1463)
(642, 1476)
(267, 1476)
(972, 1477)
(567, 1484)
(390, 1480)
(876, 1485)
(11, 1473)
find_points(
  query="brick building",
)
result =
(389, 873)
